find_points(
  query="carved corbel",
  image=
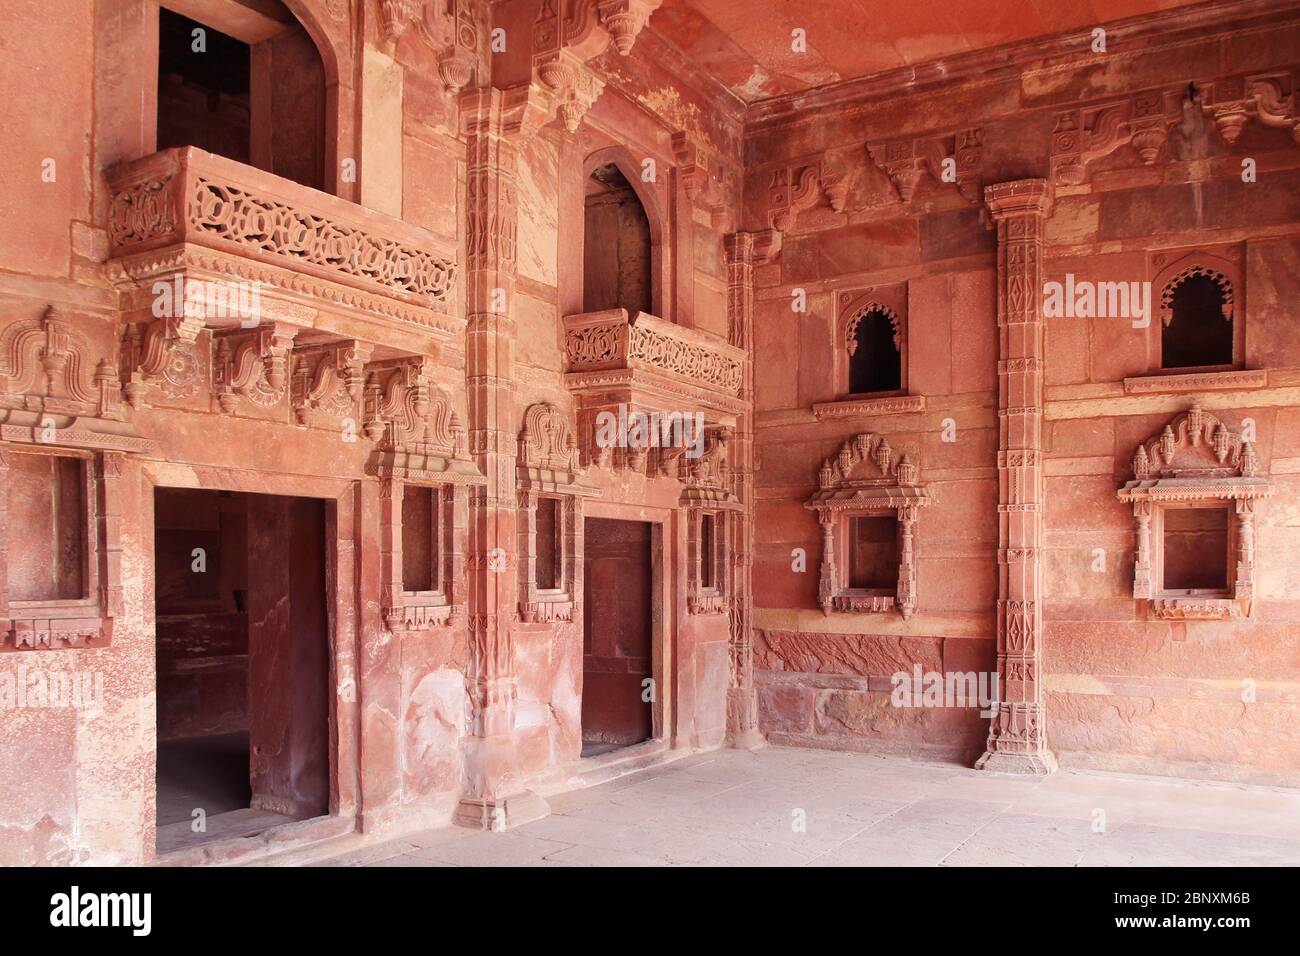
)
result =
(703, 179)
(903, 162)
(625, 19)
(792, 191)
(1091, 132)
(332, 378)
(254, 365)
(159, 352)
(449, 28)
(1271, 98)
(906, 162)
(568, 34)
(395, 16)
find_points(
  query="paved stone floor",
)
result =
(727, 808)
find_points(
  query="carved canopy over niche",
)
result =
(59, 404)
(1195, 461)
(711, 511)
(547, 468)
(866, 478)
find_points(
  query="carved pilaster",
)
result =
(1017, 735)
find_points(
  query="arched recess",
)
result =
(1201, 322)
(623, 161)
(332, 35)
(298, 110)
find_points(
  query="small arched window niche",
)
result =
(1200, 317)
(1193, 493)
(873, 339)
(867, 503)
(870, 365)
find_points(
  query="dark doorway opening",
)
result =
(257, 98)
(242, 653)
(617, 635)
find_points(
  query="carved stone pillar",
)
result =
(494, 797)
(744, 250)
(1017, 734)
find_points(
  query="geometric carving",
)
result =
(865, 478)
(167, 208)
(604, 341)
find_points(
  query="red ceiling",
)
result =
(746, 44)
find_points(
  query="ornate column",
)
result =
(494, 797)
(1017, 734)
(744, 250)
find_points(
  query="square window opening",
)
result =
(873, 553)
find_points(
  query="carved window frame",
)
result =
(1168, 271)
(405, 610)
(854, 307)
(701, 599)
(547, 467)
(59, 623)
(865, 479)
(1195, 461)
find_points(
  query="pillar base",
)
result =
(500, 813)
(750, 739)
(1038, 764)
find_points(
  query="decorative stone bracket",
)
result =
(1271, 98)
(794, 189)
(1195, 459)
(253, 365)
(707, 182)
(1091, 132)
(568, 34)
(907, 161)
(864, 478)
(328, 380)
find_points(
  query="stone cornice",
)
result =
(1136, 34)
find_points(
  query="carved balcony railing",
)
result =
(616, 349)
(188, 210)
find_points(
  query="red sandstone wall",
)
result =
(1123, 692)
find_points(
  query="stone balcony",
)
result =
(643, 360)
(316, 259)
